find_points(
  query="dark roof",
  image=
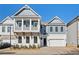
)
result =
(72, 21)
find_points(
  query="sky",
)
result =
(66, 12)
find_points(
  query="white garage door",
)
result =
(58, 42)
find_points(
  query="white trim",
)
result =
(58, 19)
(5, 19)
(30, 24)
(22, 24)
(29, 8)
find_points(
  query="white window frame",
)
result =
(35, 39)
(27, 40)
(8, 28)
(19, 22)
(26, 25)
(3, 29)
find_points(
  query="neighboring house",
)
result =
(56, 32)
(25, 28)
(73, 32)
(5, 27)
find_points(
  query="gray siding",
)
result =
(59, 29)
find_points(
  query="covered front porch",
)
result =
(27, 39)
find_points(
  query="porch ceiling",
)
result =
(27, 33)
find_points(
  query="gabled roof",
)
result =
(72, 21)
(56, 20)
(26, 11)
(7, 18)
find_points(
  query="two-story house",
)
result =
(24, 26)
(56, 32)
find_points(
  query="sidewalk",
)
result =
(43, 51)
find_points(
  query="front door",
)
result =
(45, 42)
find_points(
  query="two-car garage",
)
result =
(56, 42)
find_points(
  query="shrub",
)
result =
(38, 46)
(17, 46)
(78, 46)
(22, 46)
(14, 47)
(34, 46)
(30, 46)
(25, 47)
(5, 45)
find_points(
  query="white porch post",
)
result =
(30, 24)
(22, 40)
(14, 24)
(38, 38)
(39, 25)
(30, 40)
(22, 24)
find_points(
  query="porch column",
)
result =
(30, 24)
(22, 24)
(14, 24)
(30, 40)
(22, 40)
(39, 25)
(39, 40)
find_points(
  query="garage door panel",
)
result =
(57, 42)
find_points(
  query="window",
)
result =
(27, 23)
(8, 29)
(51, 29)
(19, 39)
(56, 29)
(27, 40)
(3, 28)
(35, 39)
(34, 23)
(61, 29)
(19, 23)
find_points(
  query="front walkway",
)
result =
(43, 51)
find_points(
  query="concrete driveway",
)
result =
(43, 51)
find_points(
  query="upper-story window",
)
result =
(56, 29)
(51, 29)
(61, 29)
(8, 29)
(26, 23)
(34, 23)
(19, 23)
(3, 28)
